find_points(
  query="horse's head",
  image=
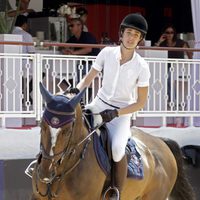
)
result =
(57, 126)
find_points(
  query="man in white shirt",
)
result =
(21, 28)
(124, 71)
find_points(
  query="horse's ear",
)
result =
(75, 100)
(47, 96)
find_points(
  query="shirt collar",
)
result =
(119, 56)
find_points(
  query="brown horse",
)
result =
(67, 168)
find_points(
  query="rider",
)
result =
(125, 76)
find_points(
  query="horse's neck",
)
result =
(83, 146)
(80, 131)
(87, 167)
(82, 164)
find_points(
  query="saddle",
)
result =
(102, 149)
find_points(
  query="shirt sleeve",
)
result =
(31, 49)
(99, 62)
(144, 76)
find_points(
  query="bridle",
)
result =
(65, 153)
(61, 176)
(76, 152)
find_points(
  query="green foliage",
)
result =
(7, 23)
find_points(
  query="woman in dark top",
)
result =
(169, 39)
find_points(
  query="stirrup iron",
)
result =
(111, 188)
(30, 168)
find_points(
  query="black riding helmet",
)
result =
(135, 21)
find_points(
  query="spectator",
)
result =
(83, 13)
(23, 9)
(80, 37)
(21, 28)
(169, 39)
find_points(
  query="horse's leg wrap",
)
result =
(119, 173)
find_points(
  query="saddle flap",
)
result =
(100, 147)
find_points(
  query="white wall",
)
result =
(36, 5)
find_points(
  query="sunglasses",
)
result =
(169, 32)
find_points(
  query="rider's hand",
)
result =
(108, 115)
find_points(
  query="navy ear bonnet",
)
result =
(60, 103)
(59, 110)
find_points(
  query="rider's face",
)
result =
(131, 37)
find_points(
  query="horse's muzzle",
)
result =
(46, 174)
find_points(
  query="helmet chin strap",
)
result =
(127, 47)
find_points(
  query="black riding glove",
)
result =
(108, 115)
(74, 90)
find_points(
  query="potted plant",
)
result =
(7, 23)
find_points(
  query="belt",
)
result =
(108, 103)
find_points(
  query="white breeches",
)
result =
(119, 128)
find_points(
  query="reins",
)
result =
(91, 133)
(61, 176)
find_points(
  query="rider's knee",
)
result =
(118, 153)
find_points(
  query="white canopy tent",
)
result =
(195, 4)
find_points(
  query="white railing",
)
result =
(174, 89)
(174, 85)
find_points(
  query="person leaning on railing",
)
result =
(169, 38)
(80, 37)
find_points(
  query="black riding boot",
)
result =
(119, 174)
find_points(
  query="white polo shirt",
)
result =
(120, 81)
